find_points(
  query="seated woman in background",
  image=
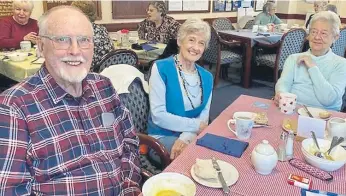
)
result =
(268, 15)
(102, 42)
(332, 8)
(158, 26)
(317, 76)
(318, 6)
(18, 27)
(180, 91)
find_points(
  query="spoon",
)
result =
(336, 142)
(332, 145)
(318, 153)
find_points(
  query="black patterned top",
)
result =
(102, 44)
(167, 30)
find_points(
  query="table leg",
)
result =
(247, 66)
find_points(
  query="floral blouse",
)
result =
(167, 30)
(102, 44)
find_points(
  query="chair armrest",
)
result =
(145, 174)
(157, 147)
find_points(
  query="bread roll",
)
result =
(204, 169)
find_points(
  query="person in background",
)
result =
(102, 42)
(158, 27)
(268, 15)
(317, 76)
(18, 27)
(332, 8)
(318, 6)
(180, 91)
(64, 130)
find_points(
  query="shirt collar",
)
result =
(316, 58)
(56, 92)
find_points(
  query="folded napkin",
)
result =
(224, 145)
(148, 47)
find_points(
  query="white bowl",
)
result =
(17, 56)
(169, 181)
(338, 154)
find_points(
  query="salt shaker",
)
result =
(282, 147)
(289, 145)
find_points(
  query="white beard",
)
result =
(72, 76)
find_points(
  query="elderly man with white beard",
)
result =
(63, 131)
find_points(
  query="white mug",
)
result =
(336, 127)
(25, 46)
(287, 102)
(243, 127)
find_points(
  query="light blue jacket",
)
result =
(320, 86)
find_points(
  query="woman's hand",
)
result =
(277, 98)
(202, 126)
(32, 36)
(177, 148)
(306, 60)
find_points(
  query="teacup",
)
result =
(287, 102)
(25, 46)
(243, 127)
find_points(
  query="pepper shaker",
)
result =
(289, 145)
(282, 147)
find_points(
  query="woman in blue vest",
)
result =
(180, 91)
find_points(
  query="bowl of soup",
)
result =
(169, 184)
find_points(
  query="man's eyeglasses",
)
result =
(65, 42)
(323, 34)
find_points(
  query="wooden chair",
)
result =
(291, 43)
(137, 102)
(221, 24)
(219, 53)
(339, 47)
(120, 56)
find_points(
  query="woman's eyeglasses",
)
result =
(65, 42)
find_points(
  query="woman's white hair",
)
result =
(268, 6)
(330, 17)
(194, 25)
(20, 3)
(43, 20)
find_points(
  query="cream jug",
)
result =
(336, 127)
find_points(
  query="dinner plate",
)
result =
(314, 112)
(229, 173)
(169, 181)
(290, 124)
(244, 114)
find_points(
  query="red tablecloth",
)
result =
(251, 183)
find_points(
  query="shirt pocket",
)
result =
(109, 138)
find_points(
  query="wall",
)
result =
(296, 8)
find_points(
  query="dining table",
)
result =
(18, 71)
(144, 56)
(249, 39)
(251, 183)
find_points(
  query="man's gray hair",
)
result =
(330, 17)
(194, 25)
(17, 3)
(42, 21)
(332, 8)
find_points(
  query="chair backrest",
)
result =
(210, 54)
(291, 43)
(221, 24)
(120, 56)
(249, 24)
(339, 46)
(137, 102)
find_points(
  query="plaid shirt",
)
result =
(54, 144)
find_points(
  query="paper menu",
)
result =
(307, 124)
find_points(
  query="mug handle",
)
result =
(229, 127)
